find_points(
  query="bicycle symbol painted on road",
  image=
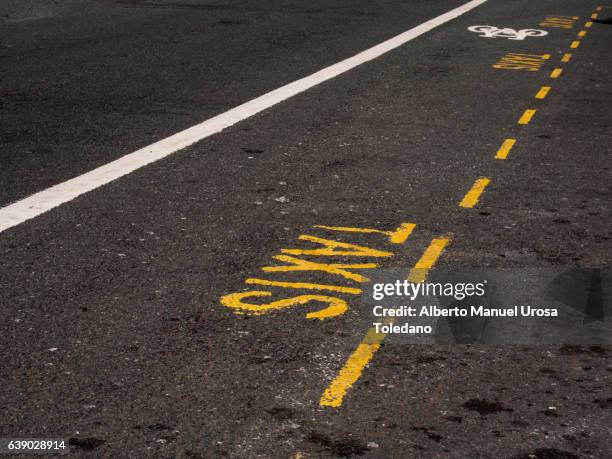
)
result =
(511, 34)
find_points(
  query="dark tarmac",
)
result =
(114, 332)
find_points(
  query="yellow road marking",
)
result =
(304, 285)
(352, 369)
(333, 395)
(555, 73)
(249, 302)
(598, 8)
(331, 248)
(428, 259)
(527, 62)
(565, 22)
(566, 57)
(341, 269)
(503, 151)
(542, 92)
(594, 16)
(336, 306)
(526, 117)
(398, 236)
(588, 24)
(575, 44)
(472, 196)
(582, 33)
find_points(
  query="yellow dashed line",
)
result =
(526, 118)
(333, 396)
(428, 259)
(472, 196)
(504, 150)
(352, 369)
(401, 234)
(356, 363)
(598, 8)
(542, 92)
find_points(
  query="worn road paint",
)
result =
(556, 73)
(582, 33)
(588, 24)
(543, 92)
(575, 44)
(526, 117)
(45, 200)
(304, 286)
(471, 198)
(599, 8)
(565, 22)
(349, 374)
(398, 236)
(566, 57)
(505, 148)
(594, 16)
(527, 62)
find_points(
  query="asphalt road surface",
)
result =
(129, 324)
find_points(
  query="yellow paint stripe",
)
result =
(566, 57)
(582, 33)
(334, 394)
(526, 117)
(304, 285)
(555, 73)
(543, 92)
(504, 150)
(397, 236)
(349, 374)
(598, 8)
(594, 16)
(588, 24)
(400, 235)
(428, 259)
(349, 229)
(472, 196)
(575, 44)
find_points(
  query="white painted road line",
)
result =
(45, 200)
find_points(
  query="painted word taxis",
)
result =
(317, 257)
